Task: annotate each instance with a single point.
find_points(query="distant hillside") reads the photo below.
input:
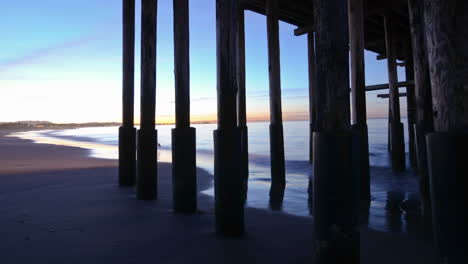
(50, 125)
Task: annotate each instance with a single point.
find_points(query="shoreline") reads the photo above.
(64, 203)
(60, 157)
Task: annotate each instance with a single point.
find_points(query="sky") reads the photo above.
(61, 61)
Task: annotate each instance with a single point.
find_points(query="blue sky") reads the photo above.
(61, 61)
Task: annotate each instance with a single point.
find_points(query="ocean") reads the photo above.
(395, 196)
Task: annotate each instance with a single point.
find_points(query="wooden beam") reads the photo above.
(304, 30)
(381, 57)
(386, 96)
(384, 86)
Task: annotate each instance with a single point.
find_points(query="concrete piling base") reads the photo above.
(278, 173)
(184, 171)
(336, 199)
(147, 164)
(448, 171)
(423, 173)
(311, 142)
(361, 148)
(397, 146)
(127, 156)
(244, 158)
(229, 183)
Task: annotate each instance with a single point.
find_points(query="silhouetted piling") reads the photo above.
(278, 177)
(147, 135)
(336, 186)
(312, 92)
(446, 32)
(358, 93)
(422, 84)
(229, 183)
(184, 178)
(127, 132)
(397, 149)
(241, 100)
(411, 110)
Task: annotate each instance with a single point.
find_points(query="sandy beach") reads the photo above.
(58, 205)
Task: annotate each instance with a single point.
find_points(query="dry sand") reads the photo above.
(59, 206)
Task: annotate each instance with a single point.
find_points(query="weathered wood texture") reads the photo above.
(447, 37)
(278, 178)
(226, 63)
(332, 62)
(182, 63)
(422, 86)
(421, 66)
(312, 91)
(229, 183)
(128, 61)
(446, 32)
(241, 100)
(356, 45)
(335, 205)
(411, 111)
(274, 61)
(148, 63)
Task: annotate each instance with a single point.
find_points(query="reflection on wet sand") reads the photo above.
(394, 206)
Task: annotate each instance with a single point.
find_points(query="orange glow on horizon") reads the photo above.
(251, 117)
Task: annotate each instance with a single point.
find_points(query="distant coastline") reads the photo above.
(40, 125)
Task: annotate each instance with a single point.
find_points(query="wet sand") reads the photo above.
(57, 205)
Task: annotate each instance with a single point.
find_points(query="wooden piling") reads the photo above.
(336, 185)
(358, 92)
(411, 111)
(422, 86)
(278, 177)
(312, 91)
(446, 32)
(127, 132)
(184, 178)
(397, 149)
(147, 135)
(241, 100)
(229, 196)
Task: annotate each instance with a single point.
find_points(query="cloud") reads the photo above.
(41, 53)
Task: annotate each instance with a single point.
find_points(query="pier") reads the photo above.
(427, 37)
